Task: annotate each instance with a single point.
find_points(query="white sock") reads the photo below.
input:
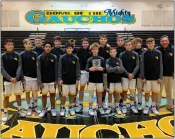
(140, 96)
(80, 102)
(5, 110)
(132, 103)
(124, 103)
(29, 105)
(146, 103)
(109, 104)
(116, 104)
(19, 107)
(153, 104)
(35, 102)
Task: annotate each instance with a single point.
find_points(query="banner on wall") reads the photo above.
(108, 16)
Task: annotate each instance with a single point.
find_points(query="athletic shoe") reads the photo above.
(109, 109)
(21, 113)
(101, 110)
(134, 109)
(91, 111)
(79, 108)
(118, 110)
(146, 110)
(36, 109)
(139, 106)
(48, 109)
(53, 112)
(154, 110)
(105, 106)
(124, 108)
(29, 111)
(43, 113)
(71, 110)
(5, 117)
(62, 111)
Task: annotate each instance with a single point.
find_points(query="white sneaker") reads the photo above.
(134, 109)
(71, 110)
(146, 110)
(79, 108)
(109, 109)
(62, 111)
(5, 117)
(101, 110)
(36, 109)
(29, 111)
(105, 106)
(21, 113)
(49, 109)
(118, 110)
(43, 113)
(53, 112)
(154, 110)
(124, 108)
(139, 106)
(91, 111)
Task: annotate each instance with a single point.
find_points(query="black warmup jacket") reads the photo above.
(58, 52)
(39, 50)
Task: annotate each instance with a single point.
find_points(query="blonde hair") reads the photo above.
(26, 40)
(94, 45)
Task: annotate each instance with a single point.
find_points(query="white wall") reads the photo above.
(135, 8)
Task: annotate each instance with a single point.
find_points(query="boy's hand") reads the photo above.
(13, 80)
(77, 83)
(100, 68)
(92, 69)
(130, 76)
(144, 81)
(41, 86)
(61, 82)
(159, 81)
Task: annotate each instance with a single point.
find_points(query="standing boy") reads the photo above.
(11, 70)
(38, 46)
(114, 69)
(95, 66)
(47, 77)
(130, 60)
(139, 50)
(29, 68)
(83, 54)
(120, 46)
(152, 72)
(68, 77)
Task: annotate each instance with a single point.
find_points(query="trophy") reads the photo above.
(96, 63)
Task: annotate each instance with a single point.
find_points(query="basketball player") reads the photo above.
(68, 77)
(83, 54)
(104, 52)
(95, 66)
(139, 50)
(47, 77)
(38, 46)
(114, 69)
(152, 72)
(11, 70)
(29, 70)
(168, 71)
(120, 46)
(130, 60)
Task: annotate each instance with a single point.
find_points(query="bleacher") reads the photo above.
(93, 36)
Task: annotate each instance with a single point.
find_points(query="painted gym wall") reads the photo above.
(150, 20)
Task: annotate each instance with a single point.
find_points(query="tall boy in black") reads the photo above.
(29, 68)
(120, 46)
(38, 46)
(104, 52)
(95, 66)
(114, 69)
(152, 72)
(47, 77)
(130, 60)
(68, 77)
(11, 70)
(168, 71)
(83, 54)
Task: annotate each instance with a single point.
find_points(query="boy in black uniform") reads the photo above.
(83, 54)
(38, 46)
(95, 66)
(138, 49)
(11, 70)
(168, 71)
(120, 46)
(152, 72)
(104, 52)
(68, 77)
(47, 77)
(114, 69)
(29, 59)
(130, 60)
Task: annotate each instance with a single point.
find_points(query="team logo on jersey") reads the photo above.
(107, 51)
(117, 63)
(157, 57)
(73, 62)
(52, 60)
(15, 58)
(133, 57)
(171, 54)
(33, 58)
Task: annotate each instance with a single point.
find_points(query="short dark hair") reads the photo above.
(112, 48)
(103, 36)
(128, 40)
(72, 41)
(8, 40)
(164, 36)
(138, 40)
(69, 44)
(38, 38)
(47, 43)
(84, 39)
(150, 40)
(120, 38)
(57, 38)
